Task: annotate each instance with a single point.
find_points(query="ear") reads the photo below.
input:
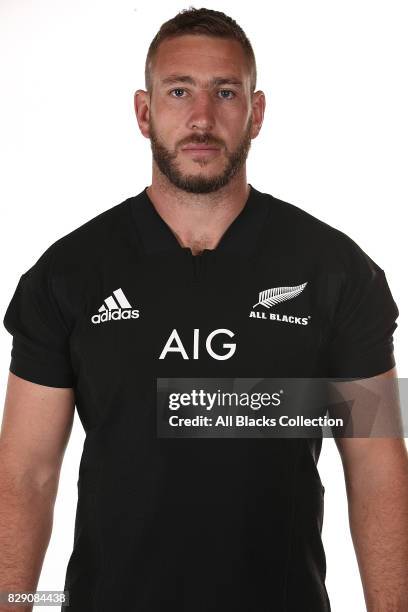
(141, 104)
(258, 111)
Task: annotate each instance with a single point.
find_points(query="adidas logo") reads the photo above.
(115, 309)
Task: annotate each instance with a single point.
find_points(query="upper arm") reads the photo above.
(378, 457)
(37, 422)
(39, 405)
(361, 367)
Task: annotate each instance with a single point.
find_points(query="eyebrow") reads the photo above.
(178, 78)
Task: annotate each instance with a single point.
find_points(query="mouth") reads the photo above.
(200, 147)
(200, 150)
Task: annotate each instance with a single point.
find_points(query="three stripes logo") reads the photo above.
(115, 307)
(276, 295)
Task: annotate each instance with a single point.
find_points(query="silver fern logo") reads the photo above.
(277, 295)
(273, 296)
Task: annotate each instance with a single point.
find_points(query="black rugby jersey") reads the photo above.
(196, 524)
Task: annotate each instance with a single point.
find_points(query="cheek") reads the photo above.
(234, 122)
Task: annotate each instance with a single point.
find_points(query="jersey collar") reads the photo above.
(240, 237)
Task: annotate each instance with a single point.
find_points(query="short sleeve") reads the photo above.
(361, 339)
(40, 345)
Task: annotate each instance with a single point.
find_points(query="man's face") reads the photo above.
(187, 108)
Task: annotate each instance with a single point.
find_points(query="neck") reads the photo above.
(198, 220)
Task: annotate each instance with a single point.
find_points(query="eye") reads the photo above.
(222, 91)
(177, 89)
(227, 91)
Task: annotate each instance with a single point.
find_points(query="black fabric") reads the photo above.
(361, 342)
(203, 524)
(40, 350)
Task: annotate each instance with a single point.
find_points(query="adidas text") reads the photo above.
(115, 315)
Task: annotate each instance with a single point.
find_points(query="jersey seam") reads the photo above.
(138, 242)
(95, 507)
(97, 594)
(291, 526)
(79, 316)
(50, 283)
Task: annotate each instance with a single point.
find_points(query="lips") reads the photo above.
(194, 147)
(200, 148)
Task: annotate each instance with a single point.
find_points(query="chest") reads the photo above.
(202, 317)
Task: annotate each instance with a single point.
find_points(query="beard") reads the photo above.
(166, 161)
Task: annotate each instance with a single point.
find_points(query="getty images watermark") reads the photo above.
(282, 407)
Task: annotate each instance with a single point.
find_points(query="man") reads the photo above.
(176, 282)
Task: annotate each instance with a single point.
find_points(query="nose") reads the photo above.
(202, 114)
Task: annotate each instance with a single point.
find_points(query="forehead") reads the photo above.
(201, 56)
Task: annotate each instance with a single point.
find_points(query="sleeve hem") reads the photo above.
(40, 375)
(373, 365)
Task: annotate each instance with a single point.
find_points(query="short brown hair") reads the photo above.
(205, 22)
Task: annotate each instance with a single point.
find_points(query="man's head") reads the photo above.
(200, 78)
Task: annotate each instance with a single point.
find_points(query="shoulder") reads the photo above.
(317, 240)
(95, 235)
(83, 246)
